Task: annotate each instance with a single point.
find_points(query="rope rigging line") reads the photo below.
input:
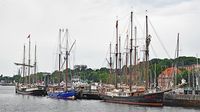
(159, 40)
(63, 64)
(126, 27)
(105, 59)
(140, 26)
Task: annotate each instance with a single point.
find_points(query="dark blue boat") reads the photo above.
(63, 95)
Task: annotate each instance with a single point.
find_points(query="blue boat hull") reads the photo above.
(63, 95)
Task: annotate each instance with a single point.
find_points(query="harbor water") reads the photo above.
(12, 102)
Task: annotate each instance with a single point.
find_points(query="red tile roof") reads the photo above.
(169, 72)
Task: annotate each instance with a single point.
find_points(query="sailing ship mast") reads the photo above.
(135, 55)
(126, 70)
(155, 76)
(131, 50)
(120, 58)
(116, 55)
(176, 56)
(197, 74)
(35, 66)
(23, 66)
(59, 58)
(29, 59)
(177, 49)
(110, 64)
(67, 58)
(148, 39)
(135, 47)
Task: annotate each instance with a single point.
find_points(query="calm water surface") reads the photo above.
(11, 102)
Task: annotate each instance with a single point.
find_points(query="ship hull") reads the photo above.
(151, 99)
(88, 95)
(91, 96)
(69, 95)
(33, 92)
(182, 100)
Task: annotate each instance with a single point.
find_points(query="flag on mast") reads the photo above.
(29, 36)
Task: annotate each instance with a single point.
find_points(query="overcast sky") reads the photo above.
(92, 24)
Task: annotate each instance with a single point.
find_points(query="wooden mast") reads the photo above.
(68, 50)
(66, 58)
(177, 52)
(23, 66)
(59, 58)
(110, 63)
(146, 56)
(197, 75)
(35, 66)
(135, 47)
(29, 59)
(120, 58)
(127, 59)
(155, 76)
(176, 67)
(148, 39)
(116, 55)
(131, 50)
(135, 56)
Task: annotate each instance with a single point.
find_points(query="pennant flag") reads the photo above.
(29, 36)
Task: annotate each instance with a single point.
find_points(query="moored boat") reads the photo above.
(182, 100)
(63, 90)
(88, 92)
(35, 91)
(186, 94)
(25, 86)
(144, 94)
(148, 99)
(70, 95)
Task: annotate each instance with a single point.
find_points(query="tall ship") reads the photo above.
(64, 91)
(134, 95)
(26, 86)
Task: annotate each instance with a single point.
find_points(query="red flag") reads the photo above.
(29, 36)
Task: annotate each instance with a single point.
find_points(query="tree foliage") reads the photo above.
(96, 75)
